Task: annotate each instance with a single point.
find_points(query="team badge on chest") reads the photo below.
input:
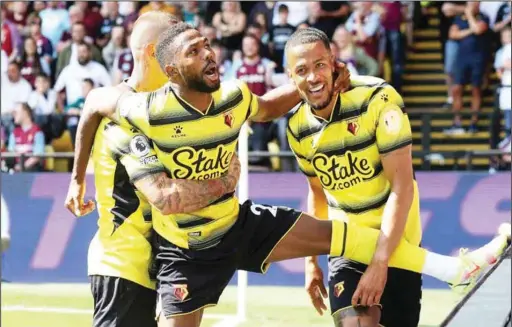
(353, 127)
(229, 119)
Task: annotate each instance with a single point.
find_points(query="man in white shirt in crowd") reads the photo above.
(72, 75)
(15, 89)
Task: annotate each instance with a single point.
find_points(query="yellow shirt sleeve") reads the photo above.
(304, 163)
(138, 156)
(393, 129)
(252, 99)
(132, 111)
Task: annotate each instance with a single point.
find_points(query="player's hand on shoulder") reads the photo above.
(315, 286)
(75, 200)
(342, 74)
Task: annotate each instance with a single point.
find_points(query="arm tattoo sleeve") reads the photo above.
(178, 195)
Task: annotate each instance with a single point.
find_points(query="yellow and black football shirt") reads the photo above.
(121, 248)
(193, 145)
(344, 152)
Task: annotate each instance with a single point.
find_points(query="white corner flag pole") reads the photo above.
(243, 195)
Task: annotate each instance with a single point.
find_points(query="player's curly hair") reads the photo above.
(165, 47)
(307, 35)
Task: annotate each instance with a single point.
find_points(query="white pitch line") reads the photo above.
(22, 308)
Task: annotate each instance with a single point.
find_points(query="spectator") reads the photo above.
(159, 6)
(225, 65)
(209, 32)
(364, 24)
(230, 22)
(278, 36)
(55, 22)
(72, 75)
(191, 13)
(358, 62)
(42, 100)
(129, 9)
(30, 62)
(297, 14)
(391, 20)
(74, 110)
(115, 46)
(92, 18)
(450, 10)
(44, 46)
(18, 15)
(473, 55)
(503, 66)
(39, 6)
(313, 18)
(503, 19)
(258, 31)
(332, 14)
(123, 63)
(262, 7)
(15, 89)
(11, 38)
(257, 73)
(69, 54)
(262, 22)
(75, 16)
(26, 138)
(111, 18)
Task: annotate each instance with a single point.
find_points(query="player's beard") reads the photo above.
(198, 83)
(322, 105)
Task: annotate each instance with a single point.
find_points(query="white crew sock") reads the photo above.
(442, 267)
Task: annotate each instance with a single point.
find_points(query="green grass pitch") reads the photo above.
(69, 305)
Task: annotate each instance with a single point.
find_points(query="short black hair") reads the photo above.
(164, 46)
(255, 25)
(216, 43)
(43, 75)
(308, 35)
(282, 8)
(88, 81)
(85, 44)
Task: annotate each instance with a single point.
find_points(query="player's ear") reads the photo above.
(149, 50)
(171, 72)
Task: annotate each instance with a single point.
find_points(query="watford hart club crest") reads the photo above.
(339, 288)
(353, 127)
(229, 119)
(180, 292)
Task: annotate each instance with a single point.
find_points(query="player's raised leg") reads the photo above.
(309, 236)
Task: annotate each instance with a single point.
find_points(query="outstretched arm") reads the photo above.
(101, 102)
(171, 196)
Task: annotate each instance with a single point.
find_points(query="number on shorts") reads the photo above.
(257, 209)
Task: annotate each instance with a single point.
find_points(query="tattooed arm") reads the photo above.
(171, 196)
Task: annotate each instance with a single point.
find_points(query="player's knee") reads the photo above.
(188, 320)
(357, 317)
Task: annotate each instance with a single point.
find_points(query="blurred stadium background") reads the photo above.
(463, 170)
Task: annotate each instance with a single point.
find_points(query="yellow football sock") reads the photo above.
(358, 243)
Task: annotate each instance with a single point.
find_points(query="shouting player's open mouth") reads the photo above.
(211, 72)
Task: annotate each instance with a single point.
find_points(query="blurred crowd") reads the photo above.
(55, 52)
